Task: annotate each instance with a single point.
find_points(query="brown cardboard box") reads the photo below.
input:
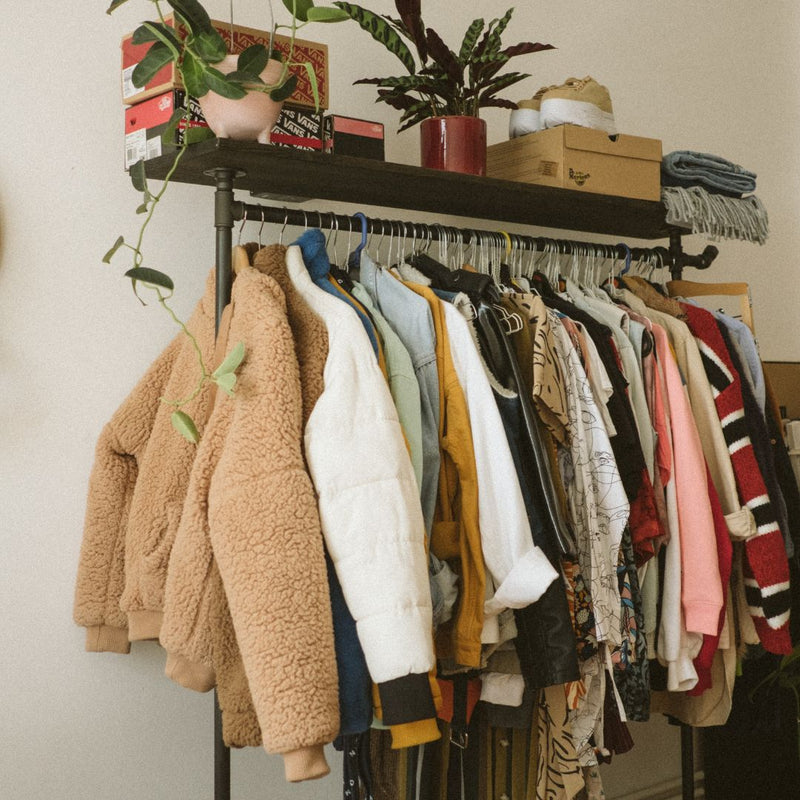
(583, 159)
(167, 78)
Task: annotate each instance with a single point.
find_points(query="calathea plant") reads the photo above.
(194, 46)
(444, 82)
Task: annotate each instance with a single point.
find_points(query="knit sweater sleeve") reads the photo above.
(101, 569)
(265, 533)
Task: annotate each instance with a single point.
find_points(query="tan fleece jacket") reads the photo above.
(250, 533)
(136, 492)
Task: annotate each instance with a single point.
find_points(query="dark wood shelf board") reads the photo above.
(296, 173)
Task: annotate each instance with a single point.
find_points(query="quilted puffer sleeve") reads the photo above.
(267, 542)
(101, 569)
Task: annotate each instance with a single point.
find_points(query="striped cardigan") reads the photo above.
(766, 569)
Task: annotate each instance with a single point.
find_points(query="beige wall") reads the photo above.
(718, 76)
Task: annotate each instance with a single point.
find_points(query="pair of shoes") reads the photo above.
(577, 101)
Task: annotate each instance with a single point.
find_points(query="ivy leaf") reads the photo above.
(226, 382)
(243, 78)
(299, 8)
(195, 135)
(219, 83)
(170, 133)
(326, 14)
(139, 177)
(158, 32)
(232, 360)
(150, 276)
(195, 16)
(380, 30)
(193, 76)
(185, 426)
(253, 59)
(312, 79)
(115, 5)
(113, 249)
(157, 57)
(142, 208)
(280, 93)
(210, 45)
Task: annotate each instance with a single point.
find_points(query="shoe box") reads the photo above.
(348, 136)
(238, 38)
(583, 159)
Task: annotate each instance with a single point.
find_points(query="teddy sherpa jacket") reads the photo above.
(136, 493)
(250, 535)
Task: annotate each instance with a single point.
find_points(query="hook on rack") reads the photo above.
(355, 257)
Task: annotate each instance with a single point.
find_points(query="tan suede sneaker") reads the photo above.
(579, 101)
(526, 117)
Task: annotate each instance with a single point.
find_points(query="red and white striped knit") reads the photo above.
(766, 574)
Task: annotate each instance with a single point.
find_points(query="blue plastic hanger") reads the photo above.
(355, 257)
(627, 266)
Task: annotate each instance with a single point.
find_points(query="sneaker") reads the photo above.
(581, 102)
(525, 118)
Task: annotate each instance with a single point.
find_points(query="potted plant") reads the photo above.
(445, 90)
(242, 95)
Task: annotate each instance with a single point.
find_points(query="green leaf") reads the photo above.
(195, 16)
(312, 79)
(169, 134)
(142, 209)
(210, 45)
(185, 426)
(502, 24)
(226, 382)
(150, 276)
(115, 5)
(157, 57)
(195, 135)
(139, 177)
(470, 40)
(232, 360)
(299, 8)
(244, 78)
(156, 31)
(193, 76)
(254, 59)
(280, 93)
(503, 82)
(326, 14)
(219, 83)
(381, 31)
(113, 249)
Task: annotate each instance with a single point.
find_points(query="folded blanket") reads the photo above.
(716, 174)
(716, 216)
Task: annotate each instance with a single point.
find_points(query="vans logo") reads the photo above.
(579, 177)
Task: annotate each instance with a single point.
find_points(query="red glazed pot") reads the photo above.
(455, 144)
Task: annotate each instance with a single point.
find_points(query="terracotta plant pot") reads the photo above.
(252, 117)
(455, 144)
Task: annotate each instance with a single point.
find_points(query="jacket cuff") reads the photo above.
(107, 639)
(406, 699)
(144, 625)
(190, 674)
(413, 733)
(525, 583)
(305, 763)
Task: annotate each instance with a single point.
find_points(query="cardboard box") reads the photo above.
(584, 159)
(346, 136)
(168, 78)
(145, 122)
(299, 128)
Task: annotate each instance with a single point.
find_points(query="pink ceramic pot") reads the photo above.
(455, 144)
(252, 117)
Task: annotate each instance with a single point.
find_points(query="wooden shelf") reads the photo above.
(303, 174)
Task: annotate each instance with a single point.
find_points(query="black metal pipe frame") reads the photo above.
(227, 210)
(324, 219)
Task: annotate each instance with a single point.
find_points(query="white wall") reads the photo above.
(720, 77)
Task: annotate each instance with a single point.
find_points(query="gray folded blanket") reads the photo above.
(716, 174)
(715, 215)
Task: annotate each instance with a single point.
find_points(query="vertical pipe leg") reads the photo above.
(687, 761)
(223, 221)
(675, 255)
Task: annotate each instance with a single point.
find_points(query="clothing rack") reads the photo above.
(227, 211)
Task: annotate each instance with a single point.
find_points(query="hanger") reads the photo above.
(240, 258)
(354, 259)
(681, 288)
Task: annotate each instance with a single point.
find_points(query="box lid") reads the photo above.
(577, 138)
